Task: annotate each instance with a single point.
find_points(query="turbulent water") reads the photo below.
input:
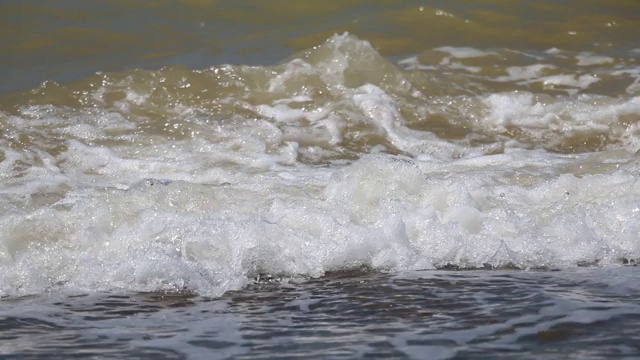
(402, 180)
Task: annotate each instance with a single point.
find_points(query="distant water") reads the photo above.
(338, 179)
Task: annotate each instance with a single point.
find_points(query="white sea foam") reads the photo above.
(464, 52)
(382, 212)
(519, 73)
(478, 70)
(546, 119)
(587, 59)
(298, 178)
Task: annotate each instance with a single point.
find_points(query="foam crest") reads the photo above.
(583, 122)
(334, 160)
(337, 101)
(382, 212)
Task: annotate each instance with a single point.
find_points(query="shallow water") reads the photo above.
(342, 179)
(581, 314)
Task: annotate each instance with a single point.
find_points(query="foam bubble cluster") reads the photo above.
(182, 180)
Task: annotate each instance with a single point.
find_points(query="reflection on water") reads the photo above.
(439, 315)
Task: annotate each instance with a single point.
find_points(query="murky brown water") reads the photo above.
(72, 39)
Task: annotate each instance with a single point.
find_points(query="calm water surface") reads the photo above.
(340, 179)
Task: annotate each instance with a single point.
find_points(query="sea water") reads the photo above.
(217, 179)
